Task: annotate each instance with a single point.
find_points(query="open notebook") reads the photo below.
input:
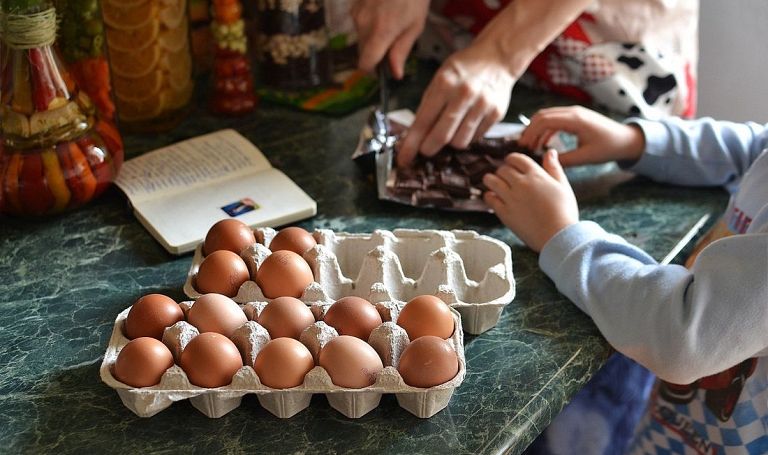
(178, 192)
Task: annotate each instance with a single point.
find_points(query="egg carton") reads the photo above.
(388, 339)
(470, 272)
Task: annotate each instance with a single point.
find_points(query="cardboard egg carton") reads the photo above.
(388, 339)
(469, 271)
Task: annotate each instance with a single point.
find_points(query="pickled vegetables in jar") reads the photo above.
(82, 45)
(56, 153)
(150, 61)
(233, 91)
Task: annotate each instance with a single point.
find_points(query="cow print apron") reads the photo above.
(631, 57)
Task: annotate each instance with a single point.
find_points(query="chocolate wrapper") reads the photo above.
(452, 179)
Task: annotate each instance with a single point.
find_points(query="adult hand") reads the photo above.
(533, 201)
(468, 94)
(388, 27)
(600, 138)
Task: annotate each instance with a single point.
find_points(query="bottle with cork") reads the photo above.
(56, 151)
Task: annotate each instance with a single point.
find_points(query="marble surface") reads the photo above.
(63, 281)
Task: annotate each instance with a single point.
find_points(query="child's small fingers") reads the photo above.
(510, 175)
(561, 119)
(542, 140)
(522, 163)
(496, 184)
(578, 156)
(552, 165)
(493, 201)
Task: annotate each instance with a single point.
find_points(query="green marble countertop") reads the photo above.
(64, 280)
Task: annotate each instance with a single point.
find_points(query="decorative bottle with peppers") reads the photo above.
(56, 153)
(233, 91)
(150, 61)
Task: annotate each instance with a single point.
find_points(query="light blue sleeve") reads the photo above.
(701, 152)
(680, 324)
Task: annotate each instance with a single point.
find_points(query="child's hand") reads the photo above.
(534, 201)
(600, 138)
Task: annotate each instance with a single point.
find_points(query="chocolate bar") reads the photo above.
(453, 177)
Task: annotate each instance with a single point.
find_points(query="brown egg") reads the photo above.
(426, 315)
(228, 234)
(293, 239)
(210, 360)
(142, 362)
(216, 313)
(150, 315)
(283, 363)
(284, 273)
(428, 361)
(222, 272)
(353, 316)
(286, 317)
(350, 362)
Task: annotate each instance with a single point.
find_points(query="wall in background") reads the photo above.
(733, 60)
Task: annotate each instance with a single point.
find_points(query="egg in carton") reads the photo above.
(388, 340)
(470, 272)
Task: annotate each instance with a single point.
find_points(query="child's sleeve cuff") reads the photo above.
(656, 138)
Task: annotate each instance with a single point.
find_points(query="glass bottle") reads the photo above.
(56, 153)
(150, 61)
(233, 91)
(83, 48)
(293, 44)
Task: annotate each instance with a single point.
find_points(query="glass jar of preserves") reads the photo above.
(82, 46)
(150, 61)
(233, 92)
(56, 153)
(292, 41)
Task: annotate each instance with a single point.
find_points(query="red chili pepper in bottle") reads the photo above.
(43, 88)
(33, 189)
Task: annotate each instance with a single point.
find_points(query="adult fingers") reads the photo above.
(432, 104)
(372, 51)
(400, 49)
(469, 125)
(446, 125)
(491, 118)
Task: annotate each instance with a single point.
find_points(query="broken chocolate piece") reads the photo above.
(405, 187)
(435, 198)
(456, 185)
(478, 169)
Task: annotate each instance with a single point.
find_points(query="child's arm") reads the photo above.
(681, 324)
(685, 152)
